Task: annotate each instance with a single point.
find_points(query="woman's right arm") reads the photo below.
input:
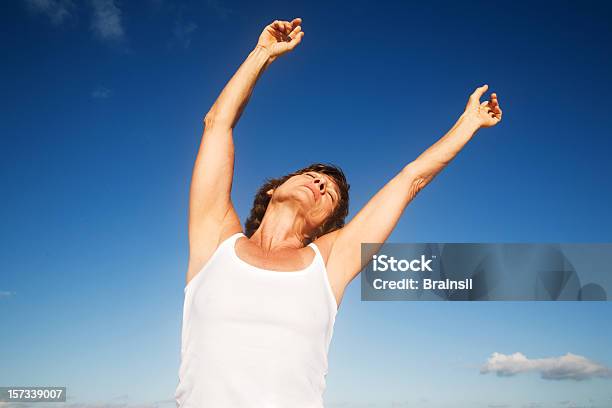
(211, 212)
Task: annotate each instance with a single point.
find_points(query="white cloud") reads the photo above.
(567, 367)
(57, 10)
(106, 22)
(101, 93)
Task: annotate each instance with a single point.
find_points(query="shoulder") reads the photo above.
(335, 275)
(197, 259)
(325, 244)
(228, 231)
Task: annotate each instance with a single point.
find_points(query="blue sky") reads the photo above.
(101, 119)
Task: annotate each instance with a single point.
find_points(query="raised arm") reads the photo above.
(376, 220)
(211, 211)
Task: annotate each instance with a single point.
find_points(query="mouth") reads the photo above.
(314, 192)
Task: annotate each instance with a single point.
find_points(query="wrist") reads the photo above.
(264, 52)
(469, 121)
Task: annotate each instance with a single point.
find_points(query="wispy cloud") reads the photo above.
(58, 11)
(220, 10)
(183, 32)
(106, 22)
(567, 367)
(101, 93)
(4, 294)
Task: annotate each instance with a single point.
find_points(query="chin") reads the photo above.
(304, 198)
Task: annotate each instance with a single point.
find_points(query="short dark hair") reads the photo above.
(334, 221)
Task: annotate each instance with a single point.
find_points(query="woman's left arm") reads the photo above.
(375, 221)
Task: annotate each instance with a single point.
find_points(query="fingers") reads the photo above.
(295, 40)
(286, 26)
(494, 111)
(494, 105)
(279, 25)
(285, 31)
(294, 33)
(484, 106)
(494, 100)
(491, 108)
(477, 94)
(498, 115)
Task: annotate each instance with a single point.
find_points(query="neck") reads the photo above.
(282, 227)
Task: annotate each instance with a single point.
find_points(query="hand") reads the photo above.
(281, 37)
(485, 114)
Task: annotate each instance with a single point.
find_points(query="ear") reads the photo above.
(270, 192)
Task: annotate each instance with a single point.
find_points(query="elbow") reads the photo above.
(416, 179)
(417, 185)
(214, 120)
(414, 172)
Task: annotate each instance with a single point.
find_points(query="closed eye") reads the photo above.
(333, 197)
(328, 192)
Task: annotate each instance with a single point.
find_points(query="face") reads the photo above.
(316, 194)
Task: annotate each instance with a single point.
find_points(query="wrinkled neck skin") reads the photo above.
(282, 227)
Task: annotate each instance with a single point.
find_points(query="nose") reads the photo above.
(321, 184)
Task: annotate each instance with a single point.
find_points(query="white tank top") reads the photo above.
(253, 337)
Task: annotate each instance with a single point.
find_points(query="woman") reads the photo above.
(260, 307)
